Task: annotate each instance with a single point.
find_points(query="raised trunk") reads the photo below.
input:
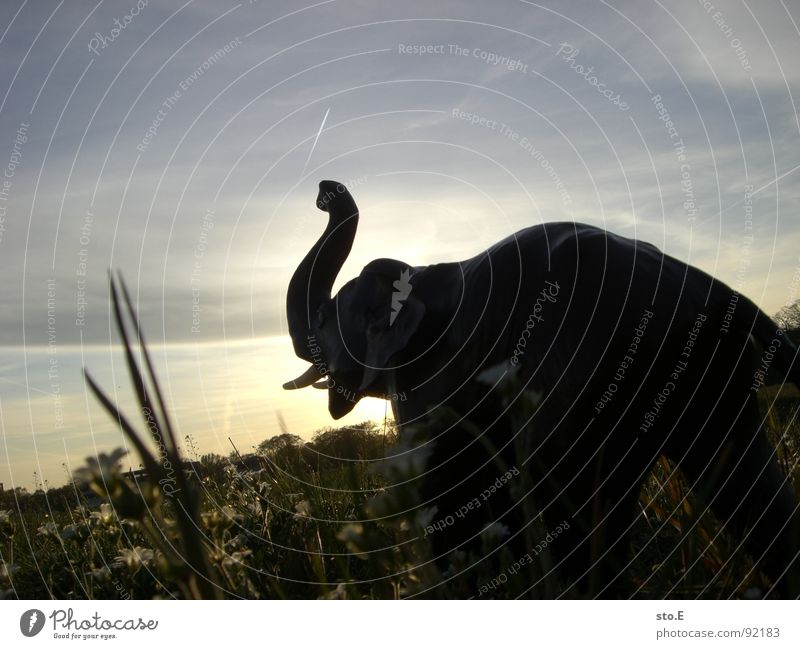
(312, 281)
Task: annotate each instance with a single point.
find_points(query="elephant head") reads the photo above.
(350, 339)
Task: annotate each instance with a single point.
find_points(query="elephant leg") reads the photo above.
(475, 480)
(599, 505)
(749, 494)
(611, 554)
(731, 465)
(462, 484)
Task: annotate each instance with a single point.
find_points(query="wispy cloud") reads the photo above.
(458, 123)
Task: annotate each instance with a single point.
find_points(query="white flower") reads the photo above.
(497, 374)
(134, 558)
(222, 517)
(102, 574)
(48, 529)
(303, 509)
(339, 593)
(351, 533)
(7, 571)
(424, 515)
(406, 461)
(236, 559)
(496, 531)
(105, 516)
(101, 469)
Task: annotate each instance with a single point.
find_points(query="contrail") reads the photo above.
(762, 188)
(314, 146)
(772, 182)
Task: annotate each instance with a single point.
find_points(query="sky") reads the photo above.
(181, 143)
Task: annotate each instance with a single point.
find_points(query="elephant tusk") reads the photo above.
(304, 380)
(320, 385)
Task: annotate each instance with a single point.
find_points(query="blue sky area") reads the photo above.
(180, 142)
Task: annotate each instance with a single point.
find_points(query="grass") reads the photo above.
(316, 519)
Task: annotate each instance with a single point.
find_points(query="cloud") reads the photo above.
(156, 131)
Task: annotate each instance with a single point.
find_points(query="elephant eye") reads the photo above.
(320, 318)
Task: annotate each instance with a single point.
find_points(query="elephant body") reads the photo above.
(634, 354)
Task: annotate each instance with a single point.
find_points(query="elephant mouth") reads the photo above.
(343, 392)
(341, 403)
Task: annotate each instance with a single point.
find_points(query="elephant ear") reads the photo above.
(392, 324)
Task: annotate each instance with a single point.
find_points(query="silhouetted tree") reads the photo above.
(336, 446)
(789, 316)
(277, 443)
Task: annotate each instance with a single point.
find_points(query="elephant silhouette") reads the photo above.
(635, 355)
